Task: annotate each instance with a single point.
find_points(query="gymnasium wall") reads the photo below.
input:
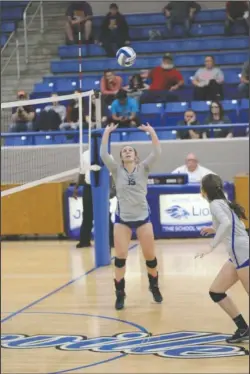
(141, 6)
(227, 157)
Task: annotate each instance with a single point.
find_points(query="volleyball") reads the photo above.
(126, 56)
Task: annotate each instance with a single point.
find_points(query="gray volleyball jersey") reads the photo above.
(230, 230)
(131, 188)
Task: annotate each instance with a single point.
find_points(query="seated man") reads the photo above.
(237, 11)
(165, 82)
(189, 120)
(180, 12)
(114, 31)
(194, 170)
(244, 79)
(23, 116)
(79, 18)
(124, 110)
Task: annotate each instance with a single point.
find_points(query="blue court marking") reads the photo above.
(141, 328)
(19, 311)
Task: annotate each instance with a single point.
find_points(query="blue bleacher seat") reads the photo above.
(70, 66)
(138, 136)
(115, 137)
(174, 112)
(166, 135)
(7, 27)
(151, 113)
(12, 14)
(200, 44)
(4, 39)
(43, 139)
(18, 140)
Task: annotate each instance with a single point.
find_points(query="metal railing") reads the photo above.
(15, 52)
(27, 25)
(13, 36)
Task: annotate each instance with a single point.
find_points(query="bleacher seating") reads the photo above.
(189, 54)
(11, 14)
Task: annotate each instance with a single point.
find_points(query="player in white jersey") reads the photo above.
(131, 177)
(228, 228)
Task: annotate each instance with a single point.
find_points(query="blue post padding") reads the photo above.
(100, 195)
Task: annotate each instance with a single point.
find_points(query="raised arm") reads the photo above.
(156, 151)
(105, 156)
(218, 211)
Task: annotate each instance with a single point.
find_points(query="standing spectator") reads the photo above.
(79, 18)
(237, 11)
(216, 116)
(23, 117)
(166, 76)
(124, 110)
(244, 79)
(136, 86)
(114, 31)
(56, 107)
(194, 170)
(180, 12)
(189, 120)
(110, 85)
(208, 81)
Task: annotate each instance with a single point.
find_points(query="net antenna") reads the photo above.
(32, 165)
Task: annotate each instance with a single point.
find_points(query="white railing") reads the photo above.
(27, 25)
(15, 52)
(16, 49)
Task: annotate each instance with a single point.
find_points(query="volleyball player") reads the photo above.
(229, 228)
(130, 177)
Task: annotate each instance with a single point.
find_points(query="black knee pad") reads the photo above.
(216, 297)
(120, 262)
(151, 263)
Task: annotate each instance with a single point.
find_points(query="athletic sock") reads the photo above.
(240, 322)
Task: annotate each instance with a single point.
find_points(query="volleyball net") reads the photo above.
(29, 159)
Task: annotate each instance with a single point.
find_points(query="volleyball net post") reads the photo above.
(100, 193)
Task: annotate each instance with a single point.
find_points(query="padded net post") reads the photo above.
(100, 193)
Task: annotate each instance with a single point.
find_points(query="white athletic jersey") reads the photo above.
(131, 188)
(230, 230)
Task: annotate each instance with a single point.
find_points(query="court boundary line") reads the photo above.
(56, 290)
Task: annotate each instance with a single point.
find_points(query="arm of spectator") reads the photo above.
(229, 132)
(118, 84)
(179, 80)
(103, 87)
(133, 109)
(196, 79)
(114, 112)
(194, 8)
(219, 76)
(124, 28)
(63, 113)
(245, 73)
(145, 87)
(88, 12)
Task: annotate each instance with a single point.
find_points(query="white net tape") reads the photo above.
(30, 166)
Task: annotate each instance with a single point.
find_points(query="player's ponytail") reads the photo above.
(212, 185)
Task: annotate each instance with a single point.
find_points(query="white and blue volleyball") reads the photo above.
(126, 56)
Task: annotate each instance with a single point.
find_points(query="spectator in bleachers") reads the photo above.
(93, 114)
(51, 117)
(180, 12)
(165, 78)
(244, 79)
(56, 107)
(124, 110)
(23, 117)
(136, 86)
(114, 31)
(110, 86)
(194, 170)
(72, 115)
(208, 81)
(237, 11)
(216, 117)
(189, 120)
(79, 18)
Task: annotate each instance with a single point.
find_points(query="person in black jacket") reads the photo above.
(114, 31)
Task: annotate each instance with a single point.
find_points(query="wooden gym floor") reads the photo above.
(52, 288)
